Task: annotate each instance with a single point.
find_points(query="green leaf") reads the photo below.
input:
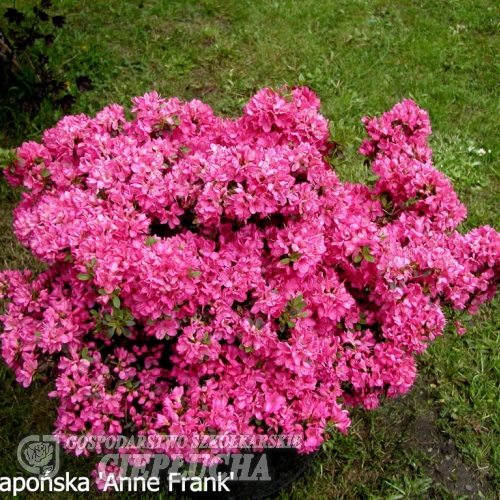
(259, 323)
(83, 277)
(127, 333)
(38, 334)
(369, 257)
(116, 302)
(357, 259)
(410, 201)
(194, 274)
(7, 158)
(150, 241)
(85, 354)
(45, 173)
(285, 261)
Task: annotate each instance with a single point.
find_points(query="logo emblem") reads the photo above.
(39, 455)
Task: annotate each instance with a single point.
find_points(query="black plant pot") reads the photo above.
(259, 475)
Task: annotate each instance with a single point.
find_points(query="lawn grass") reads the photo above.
(360, 57)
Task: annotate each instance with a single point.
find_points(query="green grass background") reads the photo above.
(360, 57)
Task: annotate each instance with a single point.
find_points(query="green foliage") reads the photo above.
(118, 322)
(7, 158)
(293, 311)
(194, 274)
(150, 241)
(293, 257)
(27, 79)
(90, 271)
(364, 254)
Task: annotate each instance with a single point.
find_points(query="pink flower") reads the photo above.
(209, 275)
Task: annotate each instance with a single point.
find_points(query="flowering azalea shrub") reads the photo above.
(208, 275)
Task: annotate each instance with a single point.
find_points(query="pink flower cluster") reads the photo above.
(210, 275)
